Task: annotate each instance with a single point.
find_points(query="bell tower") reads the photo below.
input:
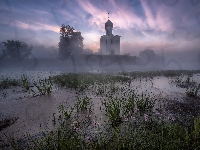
(108, 27)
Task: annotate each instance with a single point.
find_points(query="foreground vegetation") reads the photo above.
(130, 120)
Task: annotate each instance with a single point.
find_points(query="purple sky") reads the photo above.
(170, 25)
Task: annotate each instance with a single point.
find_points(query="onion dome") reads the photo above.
(108, 24)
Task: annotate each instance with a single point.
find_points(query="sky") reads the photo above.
(169, 25)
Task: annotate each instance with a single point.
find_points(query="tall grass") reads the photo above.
(25, 82)
(83, 104)
(44, 86)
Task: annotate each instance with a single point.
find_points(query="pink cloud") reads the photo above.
(158, 21)
(122, 17)
(38, 26)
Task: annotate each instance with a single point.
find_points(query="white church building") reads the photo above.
(109, 44)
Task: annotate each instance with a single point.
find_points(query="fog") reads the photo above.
(47, 59)
(90, 62)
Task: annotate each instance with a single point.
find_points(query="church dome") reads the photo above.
(108, 24)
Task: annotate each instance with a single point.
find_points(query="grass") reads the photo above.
(145, 104)
(100, 89)
(8, 82)
(193, 91)
(83, 103)
(142, 134)
(129, 104)
(166, 73)
(113, 111)
(130, 122)
(25, 82)
(84, 80)
(44, 86)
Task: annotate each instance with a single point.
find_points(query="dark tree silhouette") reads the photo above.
(16, 49)
(70, 42)
(76, 41)
(143, 54)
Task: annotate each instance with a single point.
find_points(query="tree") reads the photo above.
(16, 49)
(76, 41)
(147, 54)
(70, 42)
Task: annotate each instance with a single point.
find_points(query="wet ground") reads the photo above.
(35, 114)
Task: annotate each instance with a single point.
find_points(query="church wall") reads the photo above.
(105, 49)
(109, 44)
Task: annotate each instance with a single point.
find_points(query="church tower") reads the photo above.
(109, 44)
(108, 27)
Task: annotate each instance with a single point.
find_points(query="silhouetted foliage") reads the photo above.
(16, 49)
(70, 42)
(143, 54)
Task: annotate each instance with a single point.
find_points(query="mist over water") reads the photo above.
(84, 63)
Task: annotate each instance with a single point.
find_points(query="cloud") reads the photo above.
(37, 25)
(148, 24)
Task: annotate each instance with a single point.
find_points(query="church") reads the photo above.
(109, 44)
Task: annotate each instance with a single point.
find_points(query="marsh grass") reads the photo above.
(113, 110)
(165, 73)
(178, 79)
(113, 87)
(100, 89)
(139, 134)
(193, 91)
(8, 82)
(129, 104)
(43, 86)
(145, 103)
(83, 104)
(83, 80)
(25, 82)
(130, 121)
